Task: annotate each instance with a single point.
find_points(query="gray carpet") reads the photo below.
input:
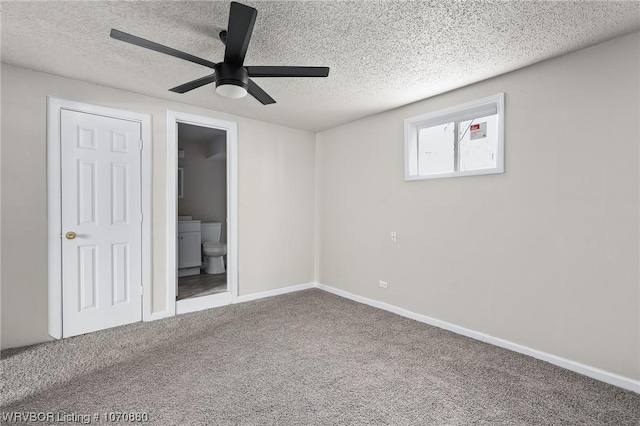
(298, 359)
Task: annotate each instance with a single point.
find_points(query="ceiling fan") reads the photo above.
(232, 78)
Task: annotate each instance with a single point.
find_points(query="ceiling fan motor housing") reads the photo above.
(231, 74)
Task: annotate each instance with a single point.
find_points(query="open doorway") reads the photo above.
(202, 212)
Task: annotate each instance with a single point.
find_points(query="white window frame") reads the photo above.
(456, 113)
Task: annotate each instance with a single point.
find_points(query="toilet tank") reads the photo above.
(211, 231)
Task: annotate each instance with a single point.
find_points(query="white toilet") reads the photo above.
(212, 249)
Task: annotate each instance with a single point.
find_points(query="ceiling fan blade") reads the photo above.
(257, 92)
(288, 71)
(241, 21)
(128, 38)
(184, 88)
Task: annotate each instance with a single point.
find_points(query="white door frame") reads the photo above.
(54, 202)
(231, 128)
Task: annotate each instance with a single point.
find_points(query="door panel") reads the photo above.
(101, 204)
(87, 279)
(87, 192)
(120, 273)
(119, 199)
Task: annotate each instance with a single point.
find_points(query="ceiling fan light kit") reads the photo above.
(231, 91)
(232, 78)
(232, 81)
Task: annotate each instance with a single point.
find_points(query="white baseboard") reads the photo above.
(594, 373)
(215, 300)
(194, 304)
(274, 292)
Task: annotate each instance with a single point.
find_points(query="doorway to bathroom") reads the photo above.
(202, 212)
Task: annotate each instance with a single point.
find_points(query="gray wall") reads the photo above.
(205, 180)
(544, 255)
(276, 197)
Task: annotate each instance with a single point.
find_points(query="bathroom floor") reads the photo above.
(201, 285)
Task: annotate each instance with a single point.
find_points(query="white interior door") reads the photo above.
(101, 222)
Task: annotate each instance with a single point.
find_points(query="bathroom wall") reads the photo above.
(545, 255)
(276, 197)
(205, 175)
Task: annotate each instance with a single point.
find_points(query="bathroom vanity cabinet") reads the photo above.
(189, 248)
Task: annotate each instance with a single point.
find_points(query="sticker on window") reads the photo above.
(478, 131)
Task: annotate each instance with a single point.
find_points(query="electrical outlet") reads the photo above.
(394, 236)
(383, 284)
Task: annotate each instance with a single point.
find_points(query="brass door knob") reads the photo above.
(70, 235)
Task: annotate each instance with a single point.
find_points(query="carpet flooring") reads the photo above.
(305, 358)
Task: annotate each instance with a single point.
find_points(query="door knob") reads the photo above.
(70, 235)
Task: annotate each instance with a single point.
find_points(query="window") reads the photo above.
(463, 140)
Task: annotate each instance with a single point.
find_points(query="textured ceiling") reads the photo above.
(382, 54)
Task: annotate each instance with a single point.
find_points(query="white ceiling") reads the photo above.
(382, 54)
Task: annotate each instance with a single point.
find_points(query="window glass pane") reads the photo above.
(436, 149)
(461, 140)
(478, 143)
